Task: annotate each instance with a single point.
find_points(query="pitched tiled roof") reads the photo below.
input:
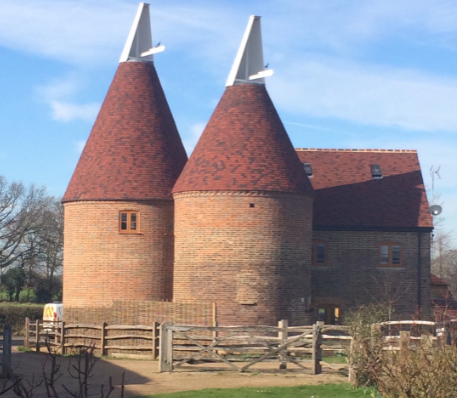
(437, 281)
(244, 147)
(134, 150)
(346, 195)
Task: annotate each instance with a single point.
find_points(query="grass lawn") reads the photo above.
(322, 391)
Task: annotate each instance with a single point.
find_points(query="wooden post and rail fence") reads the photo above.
(404, 335)
(241, 347)
(106, 339)
(179, 345)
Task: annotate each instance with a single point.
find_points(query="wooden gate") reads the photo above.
(241, 347)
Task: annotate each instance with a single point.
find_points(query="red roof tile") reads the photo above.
(346, 195)
(244, 147)
(134, 151)
(437, 281)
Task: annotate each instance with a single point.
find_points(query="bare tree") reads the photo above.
(20, 209)
(388, 292)
(31, 236)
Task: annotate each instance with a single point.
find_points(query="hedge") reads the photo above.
(15, 314)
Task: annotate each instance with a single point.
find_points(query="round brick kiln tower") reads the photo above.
(243, 212)
(119, 210)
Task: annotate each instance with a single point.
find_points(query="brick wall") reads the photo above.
(102, 265)
(352, 275)
(248, 251)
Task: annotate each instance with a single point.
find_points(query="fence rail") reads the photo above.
(182, 345)
(399, 335)
(106, 339)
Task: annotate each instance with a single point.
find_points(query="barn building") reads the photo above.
(265, 231)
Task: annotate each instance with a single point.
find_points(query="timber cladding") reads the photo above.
(143, 312)
(135, 312)
(102, 265)
(249, 251)
(353, 276)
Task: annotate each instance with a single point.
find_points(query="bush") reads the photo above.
(366, 348)
(15, 314)
(420, 370)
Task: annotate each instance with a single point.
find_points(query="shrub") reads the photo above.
(15, 314)
(420, 370)
(366, 348)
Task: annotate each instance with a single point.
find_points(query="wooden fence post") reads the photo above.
(375, 331)
(62, 338)
(214, 319)
(37, 335)
(154, 340)
(166, 347)
(27, 333)
(427, 342)
(404, 342)
(352, 374)
(282, 337)
(6, 356)
(103, 339)
(317, 350)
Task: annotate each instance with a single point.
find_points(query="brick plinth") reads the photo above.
(102, 265)
(250, 252)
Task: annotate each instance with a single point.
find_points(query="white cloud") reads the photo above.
(70, 31)
(58, 88)
(66, 112)
(58, 95)
(192, 138)
(79, 146)
(367, 94)
(340, 24)
(90, 33)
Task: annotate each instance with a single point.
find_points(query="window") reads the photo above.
(129, 222)
(390, 254)
(376, 172)
(319, 252)
(329, 315)
(308, 169)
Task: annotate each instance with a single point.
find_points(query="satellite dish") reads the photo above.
(435, 210)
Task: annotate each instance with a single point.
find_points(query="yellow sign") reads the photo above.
(48, 312)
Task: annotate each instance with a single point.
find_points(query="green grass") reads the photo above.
(335, 359)
(322, 391)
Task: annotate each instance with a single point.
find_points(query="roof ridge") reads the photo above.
(357, 150)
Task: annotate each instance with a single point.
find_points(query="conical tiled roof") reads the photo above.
(244, 147)
(134, 151)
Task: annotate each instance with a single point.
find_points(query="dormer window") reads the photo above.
(308, 169)
(376, 172)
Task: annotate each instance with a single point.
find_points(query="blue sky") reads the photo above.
(371, 74)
